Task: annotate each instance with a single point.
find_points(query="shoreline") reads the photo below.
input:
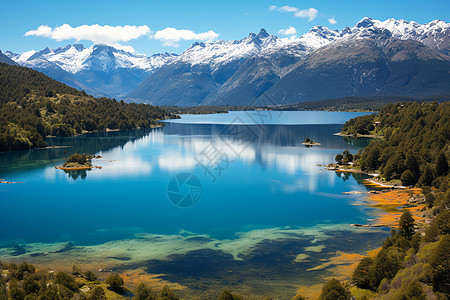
(374, 136)
(77, 168)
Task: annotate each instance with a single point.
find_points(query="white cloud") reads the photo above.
(288, 31)
(96, 33)
(287, 8)
(332, 21)
(309, 13)
(171, 36)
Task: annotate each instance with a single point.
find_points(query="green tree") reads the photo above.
(427, 177)
(441, 164)
(89, 275)
(361, 275)
(429, 199)
(408, 178)
(97, 293)
(440, 263)
(333, 290)
(339, 158)
(115, 283)
(66, 280)
(412, 290)
(144, 292)
(167, 294)
(385, 265)
(406, 225)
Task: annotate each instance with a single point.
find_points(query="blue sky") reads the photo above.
(156, 25)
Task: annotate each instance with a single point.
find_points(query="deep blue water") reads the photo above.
(211, 201)
(251, 176)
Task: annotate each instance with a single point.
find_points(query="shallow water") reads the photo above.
(253, 198)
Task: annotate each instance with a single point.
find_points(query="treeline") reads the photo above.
(413, 263)
(206, 109)
(355, 103)
(415, 144)
(24, 282)
(34, 106)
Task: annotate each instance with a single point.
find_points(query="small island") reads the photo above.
(308, 143)
(78, 162)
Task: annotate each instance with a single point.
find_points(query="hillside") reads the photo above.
(34, 106)
(413, 262)
(375, 66)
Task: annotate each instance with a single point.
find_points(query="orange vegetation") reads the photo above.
(133, 277)
(393, 204)
(340, 266)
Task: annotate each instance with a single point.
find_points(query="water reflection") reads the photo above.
(75, 174)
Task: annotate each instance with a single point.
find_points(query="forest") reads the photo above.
(414, 262)
(34, 106)
(415, 144)
(355, 103)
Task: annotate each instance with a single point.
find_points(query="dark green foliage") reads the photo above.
(361, 275)
(80, 159)
(412, 291)
(427, 176)
(429, 199)
(115, 283)
(227, 295)
(89, 275)
(333, 290)
(64, 292)
(97, 293)
(33, 106)
(441, 164)
(440, 263)
(385, 265)
(167, 294)
(144, 292)
(67, 281)
(406, 225)
(15, 292)
(76, 270)
(3, 292)
(408, 178)
(339, 158)
(30, 285)
(415, 143)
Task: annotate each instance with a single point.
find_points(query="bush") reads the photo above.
(361, 275)
(67, 281)
(89, 275)
(406, 225)
(167, 293)
(115, 283)
(144, 292)
(440, 263)
(97, 293)
(333, 290)
(227, 295)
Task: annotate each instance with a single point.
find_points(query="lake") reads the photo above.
(209, 201)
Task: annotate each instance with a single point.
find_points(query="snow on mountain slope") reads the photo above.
(74, 58)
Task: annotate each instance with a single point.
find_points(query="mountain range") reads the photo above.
(373, 58)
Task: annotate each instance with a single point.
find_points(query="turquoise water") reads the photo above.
(255, 184)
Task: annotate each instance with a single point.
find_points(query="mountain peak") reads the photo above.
(79, 47)
(365, 22)
(262, 34)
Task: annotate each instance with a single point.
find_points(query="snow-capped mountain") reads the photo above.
(100, 69)
(219, 72)
(238, 72)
